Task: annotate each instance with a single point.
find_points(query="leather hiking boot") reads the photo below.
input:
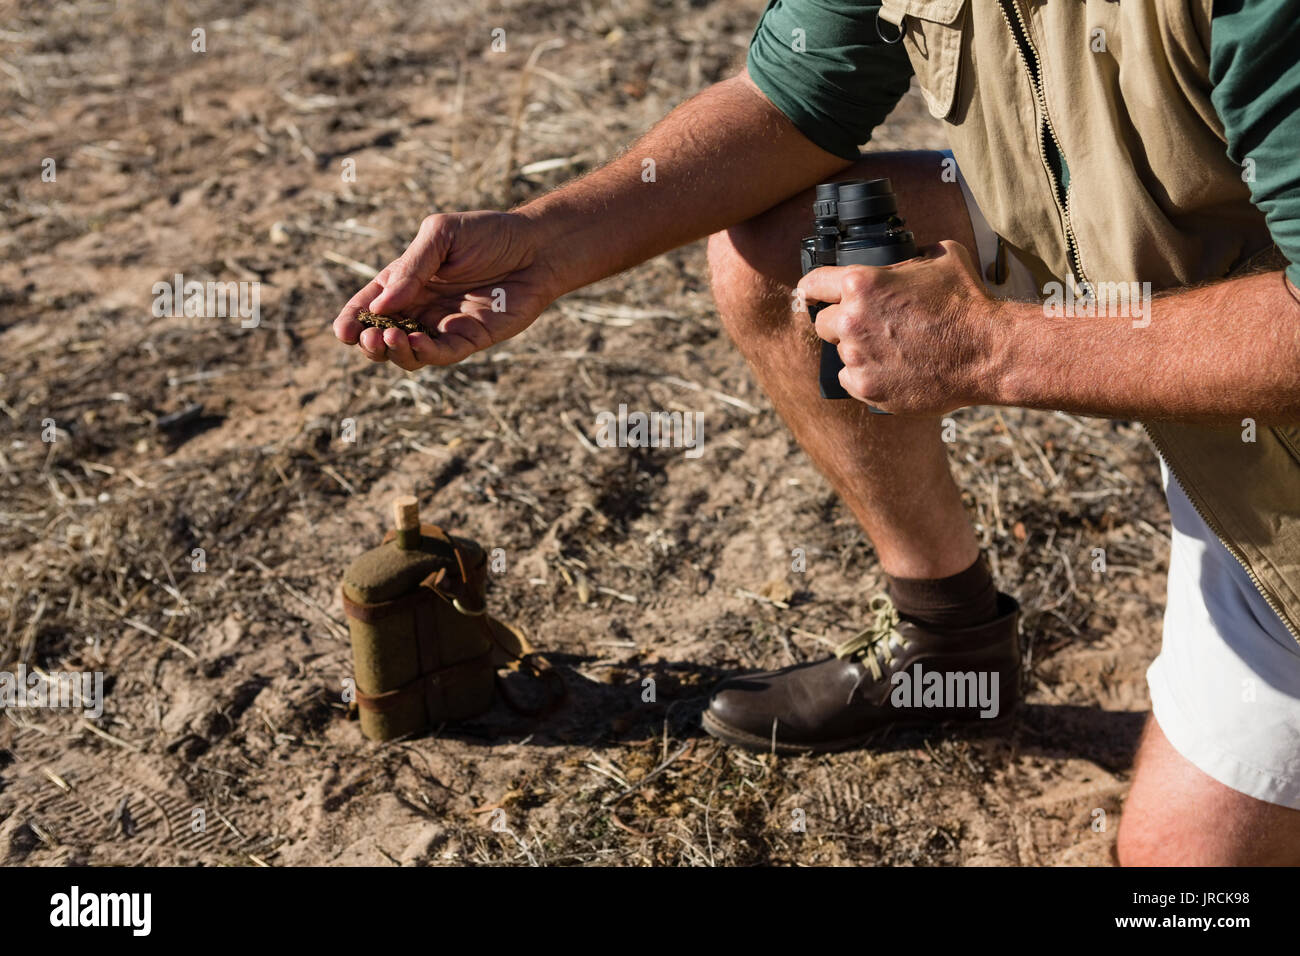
(896, 673)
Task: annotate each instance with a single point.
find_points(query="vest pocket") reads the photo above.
(932, 34)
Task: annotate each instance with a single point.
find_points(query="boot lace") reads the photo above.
(874, 646)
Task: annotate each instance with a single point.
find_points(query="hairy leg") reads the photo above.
(1175, 815)
(891, 471)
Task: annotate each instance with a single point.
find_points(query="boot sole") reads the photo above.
(952, 728)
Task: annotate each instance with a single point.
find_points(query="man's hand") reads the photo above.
(917, 337)
(471, 279)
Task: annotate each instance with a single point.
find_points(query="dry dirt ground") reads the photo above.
(224, 685)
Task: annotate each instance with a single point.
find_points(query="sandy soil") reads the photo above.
(224, 685)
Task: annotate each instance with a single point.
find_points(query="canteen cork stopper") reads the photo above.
(406, 519)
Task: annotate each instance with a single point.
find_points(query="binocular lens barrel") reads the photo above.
(855, 222)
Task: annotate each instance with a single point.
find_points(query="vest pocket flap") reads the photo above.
(936, 11)
(932, 35)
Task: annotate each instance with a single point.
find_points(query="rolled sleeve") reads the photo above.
(823, 64)
(1256, 76)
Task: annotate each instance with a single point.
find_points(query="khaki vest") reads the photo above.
(1153, 197)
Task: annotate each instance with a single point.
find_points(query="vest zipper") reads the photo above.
(1218, 533)
(1029, 56)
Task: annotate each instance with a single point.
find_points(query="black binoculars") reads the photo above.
(855, 223)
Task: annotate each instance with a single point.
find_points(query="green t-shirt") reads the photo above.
(844, 80)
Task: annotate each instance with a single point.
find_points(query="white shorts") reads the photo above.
(1225, 687)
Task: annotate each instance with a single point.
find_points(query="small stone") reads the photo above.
(777, 591)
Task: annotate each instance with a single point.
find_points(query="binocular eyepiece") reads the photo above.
(855, 222)
(854, 201)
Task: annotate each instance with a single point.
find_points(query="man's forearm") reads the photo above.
(720, 158)
(1215, 354)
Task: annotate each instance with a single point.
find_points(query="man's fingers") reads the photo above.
(399, 350)
(842, 283)
(346, 327)
(403, 290)
(429, 247)
(950, 247)
(426, 349)
(823, 284)
(459, 336)
(449, 346)
(372, 345)
(467, 328)
(946, 247)
(416, 266)
(828, 324)
(853, 381)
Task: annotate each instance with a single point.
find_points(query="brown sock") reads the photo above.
(962, 600)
